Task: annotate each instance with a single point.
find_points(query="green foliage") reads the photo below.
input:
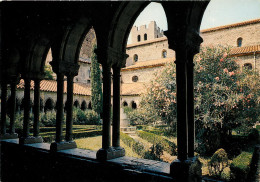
(137, 147)
(48, 72)
(155, 152)
(218, 162)
(88, 117)
(167, 145)
(253, 134)
(240, 166)
(96, 87)
(48, 119)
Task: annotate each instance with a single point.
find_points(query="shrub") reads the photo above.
(88, 117)
(218, 162)
(48, 119)
(253, 134)
(240, 166)
(225, 174)
(168, 146)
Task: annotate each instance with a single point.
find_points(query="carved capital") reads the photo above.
(111, 57)
(65, 67)
(184, 38)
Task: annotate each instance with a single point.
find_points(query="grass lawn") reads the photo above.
(95, 143)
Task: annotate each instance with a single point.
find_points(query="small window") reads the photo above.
(125, 104)
(135, 57)
(248, 66)
(88, 81)
(138, 38)
(239, 42)
(135, 78)
(164, 53)
(134, 106)
(145, 36)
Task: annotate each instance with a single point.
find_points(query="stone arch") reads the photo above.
(248, 66)
(133, 105)
(89, 105)
(125, 104)
(83, 106)
(49, 105)
(76, 103)
(239, 42)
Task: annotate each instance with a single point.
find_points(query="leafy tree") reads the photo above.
(48, 72)
(96, 87)
(225, 97)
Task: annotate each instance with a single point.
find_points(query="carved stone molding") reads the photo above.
(65, 67)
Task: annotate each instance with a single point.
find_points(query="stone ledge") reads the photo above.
(30, 140)
(9, 136)
(110, 153)
(62, 146)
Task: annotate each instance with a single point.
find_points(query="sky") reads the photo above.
(218, 12)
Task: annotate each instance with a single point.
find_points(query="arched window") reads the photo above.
(138, 38)
(248, 66)
(239, 42)
(164, 54)
(125, 104)
(135, 57)
(145, 36)
(49, 105)
(76, 103)
(133, 104)
(89, 105)
(135, 78)
(83, 105)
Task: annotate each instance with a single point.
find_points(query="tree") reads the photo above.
(225, 97)
(96, 87)
(48, 72)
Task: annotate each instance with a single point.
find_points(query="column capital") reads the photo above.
(65, 67)
(110, 56)
(184, 38)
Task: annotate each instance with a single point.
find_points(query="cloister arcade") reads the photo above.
(28, 31)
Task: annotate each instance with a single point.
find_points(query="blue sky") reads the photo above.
(218, 12)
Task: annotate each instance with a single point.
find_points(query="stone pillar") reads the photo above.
(108, 57)
(186, 44)
(69, 69)
(36, 110)
(3, 108)
(25, 134)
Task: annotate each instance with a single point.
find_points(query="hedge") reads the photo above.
(75, 135)
(168, 146)
(240, 166)
(137, 147)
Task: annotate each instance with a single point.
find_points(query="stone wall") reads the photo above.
(84, 73)
(250, 35)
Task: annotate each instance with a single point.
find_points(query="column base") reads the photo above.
(186, 171)
(110, 153)
(62, 146)
(30, 140)
(9, 136)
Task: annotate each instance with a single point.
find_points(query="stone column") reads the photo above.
(190, 106)
(68, 136)
(13, 109)
(36, 110)
(116, 111)
(25, 134)
(3, 108)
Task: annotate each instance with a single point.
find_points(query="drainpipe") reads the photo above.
(255, 60)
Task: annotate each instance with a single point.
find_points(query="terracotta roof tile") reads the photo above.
(244, 50)
(133, 88)
(148, 64)
(51, 86)
(231, 25)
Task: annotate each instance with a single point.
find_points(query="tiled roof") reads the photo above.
(51, 86)
(231, 25)
(137, 88)
(148, 64)
(239, 51)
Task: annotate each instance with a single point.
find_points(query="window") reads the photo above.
(145, 36)
(248, 66)
(138, 38)
(134, 106)
(164, 54)
(135, 57)
(135, 78)
(125, 103)
(239, 42)
(88, 81)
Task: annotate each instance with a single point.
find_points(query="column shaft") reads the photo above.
(116, 107)
(27, 106)
(3, 107)
(190, 109)
(181, 76)
(69, 112)
(106, 135)
(36, 107)
(59, 114)
(12, 107)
